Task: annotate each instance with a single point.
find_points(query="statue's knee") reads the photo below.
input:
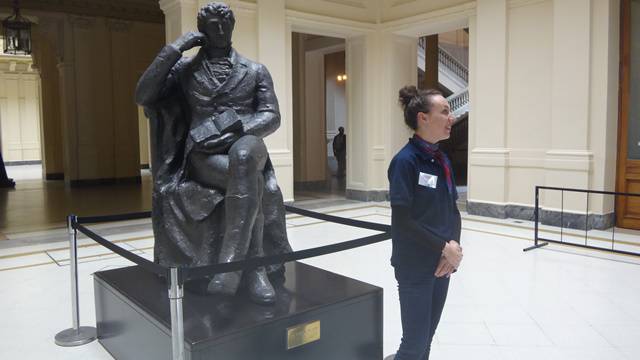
(248, 152)
(271, 187)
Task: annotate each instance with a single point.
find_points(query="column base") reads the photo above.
(547, 217)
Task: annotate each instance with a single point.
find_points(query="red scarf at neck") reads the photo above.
(435, 151)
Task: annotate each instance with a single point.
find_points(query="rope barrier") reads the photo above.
(193, 273)
(339, 220)
(110, 218)
(252, 263)
(139, 260)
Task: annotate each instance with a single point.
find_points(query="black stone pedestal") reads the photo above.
(133, 319)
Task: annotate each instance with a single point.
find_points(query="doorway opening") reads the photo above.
(319, 116)
(20, 120)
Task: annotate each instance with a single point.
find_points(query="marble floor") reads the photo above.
(36, 205)
(553, 303)
(556, 302)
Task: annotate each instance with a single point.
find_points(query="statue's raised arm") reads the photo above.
(159, 78)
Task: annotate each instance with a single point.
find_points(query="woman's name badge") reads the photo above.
(428, 180)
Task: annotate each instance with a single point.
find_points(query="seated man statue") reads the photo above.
(208, 116)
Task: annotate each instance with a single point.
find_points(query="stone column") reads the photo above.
(274, 51)
(68, 111)
(603, 124)
(180, 16)
(45, 57)
(431, 62)
(378, 64)
(569, 161)
(488, 158)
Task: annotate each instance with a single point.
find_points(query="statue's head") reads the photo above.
(216, 22)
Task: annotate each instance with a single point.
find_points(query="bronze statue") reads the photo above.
(215, 197)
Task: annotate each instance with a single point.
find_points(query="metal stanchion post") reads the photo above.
(77, 335)
(176, 293)
(536, 215)
(536, 220)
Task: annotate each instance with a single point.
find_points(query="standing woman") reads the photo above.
(425, 221)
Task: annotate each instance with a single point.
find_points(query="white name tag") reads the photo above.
(428, 180)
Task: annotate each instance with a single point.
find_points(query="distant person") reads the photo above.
(425, 221)
(340, 151)
(5, 182)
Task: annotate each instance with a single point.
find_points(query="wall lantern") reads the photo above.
(342, 77)
(17, 33)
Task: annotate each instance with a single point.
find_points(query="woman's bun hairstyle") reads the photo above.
(407, 94)
(413, 101)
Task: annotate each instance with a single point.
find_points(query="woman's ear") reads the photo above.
(422, 117)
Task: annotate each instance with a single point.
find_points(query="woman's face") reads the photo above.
(437, 122)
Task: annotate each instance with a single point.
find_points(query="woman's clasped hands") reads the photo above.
(450, 259)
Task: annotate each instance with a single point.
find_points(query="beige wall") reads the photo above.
(543, 85)
(560, 96)
(529, 97)
(19, 109)
(89, 67)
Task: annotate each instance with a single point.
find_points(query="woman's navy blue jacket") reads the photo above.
(432, 218)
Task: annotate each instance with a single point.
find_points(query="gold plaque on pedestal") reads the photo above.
(303, 334)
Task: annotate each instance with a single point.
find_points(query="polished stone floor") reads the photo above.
(553, 303)
(41, 205)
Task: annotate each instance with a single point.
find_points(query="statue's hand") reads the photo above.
(190, 40)
(220, 144)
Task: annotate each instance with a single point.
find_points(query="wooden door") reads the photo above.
(628, 172)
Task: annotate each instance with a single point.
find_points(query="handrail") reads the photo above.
(456, 101)
(459, 103)
(451, 63)
(447, 60)
(422, 43)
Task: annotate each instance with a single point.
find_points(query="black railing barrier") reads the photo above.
(540, 241)
(176, 276)
(192, 273)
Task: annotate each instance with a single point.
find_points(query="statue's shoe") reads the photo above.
(259, 287)
(225, 283)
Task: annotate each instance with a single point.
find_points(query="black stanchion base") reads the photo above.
(317, 315)
(535, 246)
(7, 183)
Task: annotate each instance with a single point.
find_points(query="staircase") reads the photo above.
(453, 76)
(459, 104)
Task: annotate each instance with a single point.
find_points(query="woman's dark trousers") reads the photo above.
(422, 298)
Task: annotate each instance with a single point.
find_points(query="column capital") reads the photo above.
(179, 17)
(169, 5)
